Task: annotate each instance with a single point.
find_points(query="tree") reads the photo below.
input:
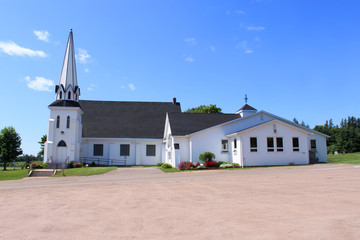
(295, 121)
(42, 142)
(10, 142)
(206, 157)
(205, 109)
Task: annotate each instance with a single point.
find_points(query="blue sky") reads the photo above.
(292, 58)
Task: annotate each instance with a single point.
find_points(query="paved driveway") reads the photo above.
(307, 202)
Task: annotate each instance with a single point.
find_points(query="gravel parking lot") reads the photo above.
(302, 202)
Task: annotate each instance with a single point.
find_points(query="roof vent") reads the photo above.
(174, 100)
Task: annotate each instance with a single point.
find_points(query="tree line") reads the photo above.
(344, 137)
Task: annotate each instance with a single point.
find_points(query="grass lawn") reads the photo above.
(85, 171)
(167, 170)
(349, 158)
(11, 174)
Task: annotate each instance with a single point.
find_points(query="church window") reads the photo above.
(313, 143)
(69, 95)
(235, 144)
(295, 142)
(62, 144)
(253, 144)
(279, 144)
(75, 97)
(270, 144)
(224, 145)
(57, 121)
(60, 94)
(98, 149)
(124, 149)
(68, 122)
(176, 145)
(150, 150)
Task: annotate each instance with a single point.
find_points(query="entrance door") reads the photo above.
(61, 152)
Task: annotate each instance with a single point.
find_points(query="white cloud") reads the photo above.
(244, 46)
(83, 56)
(122, 86)
(257, 39)
(212, 48)
(240, 12)
(132, 86)
(91, 88)
(42, 35)
(253, 28)
(188, 59)
(86, 70)
(39, 83)
(190, 41)
(13, 49)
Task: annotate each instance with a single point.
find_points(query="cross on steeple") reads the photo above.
(246, 98)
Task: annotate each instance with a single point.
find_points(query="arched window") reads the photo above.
(58, 122)
(69, 95)
(62, 144)
(68, 122)
(75, 97)
(60, 95)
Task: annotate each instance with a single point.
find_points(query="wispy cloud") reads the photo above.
(13, 49)
(254, 28)
(86, 70)
(39, 83)
(257, 39)
(42, 35)
(188, 59)
(212, 48)
(131, 86)
(191, 41)
(91, 88)
(83, 56)
(244, 46)
(238, 12)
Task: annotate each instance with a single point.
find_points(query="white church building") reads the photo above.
(146, 133)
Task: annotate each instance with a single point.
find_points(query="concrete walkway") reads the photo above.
(304, 202)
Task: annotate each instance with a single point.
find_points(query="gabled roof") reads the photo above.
(110, 119)
(187, 123)
(65, 103)
(246, 107)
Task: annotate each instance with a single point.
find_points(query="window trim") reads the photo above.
(147, 150)
(235, 144)
(270, 149)
(311, 143)
(280, 149)
(68, 122)
(296, 148)
(224, 145)
(128, 150)
(253, 148)
(102, 150)
(69, 95)
(58, 121)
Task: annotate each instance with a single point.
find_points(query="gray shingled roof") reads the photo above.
(107, 119)
(246, 107)
(187, 123)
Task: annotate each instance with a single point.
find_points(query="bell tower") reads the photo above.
(64, 127)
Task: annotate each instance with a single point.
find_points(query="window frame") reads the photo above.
(235, 144)
(269, 148)
(148, 153)
(279, 149)
(68, 122)
(127, 152)
(58, 121)
(176, 146)
(253, 148)
(224, 145)
(296, 148)
(312, 143)
(102, 150)
(69, 95)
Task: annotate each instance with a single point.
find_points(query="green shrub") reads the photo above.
(236, 165)
(44, 165)
(25, 166)
(226, 165)
(206, 157)
(166, 165)
(223, 162)
(77, 165)
(71, 164)
(35, 165)
(93, 164)
(159, 164)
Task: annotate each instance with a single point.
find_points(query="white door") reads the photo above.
(61, 154)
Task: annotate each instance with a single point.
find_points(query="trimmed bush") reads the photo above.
(226, 165)
(166, 165)
(211, 164)
(93, 164)
(222, 162)
(36, 165)
(186, 165)
(206, 156)
(236, 165)
(77, 165)
(159, 164)
(71, 164)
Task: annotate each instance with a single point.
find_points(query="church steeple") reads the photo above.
(68, 88)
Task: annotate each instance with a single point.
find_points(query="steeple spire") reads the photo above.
(68, 88)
